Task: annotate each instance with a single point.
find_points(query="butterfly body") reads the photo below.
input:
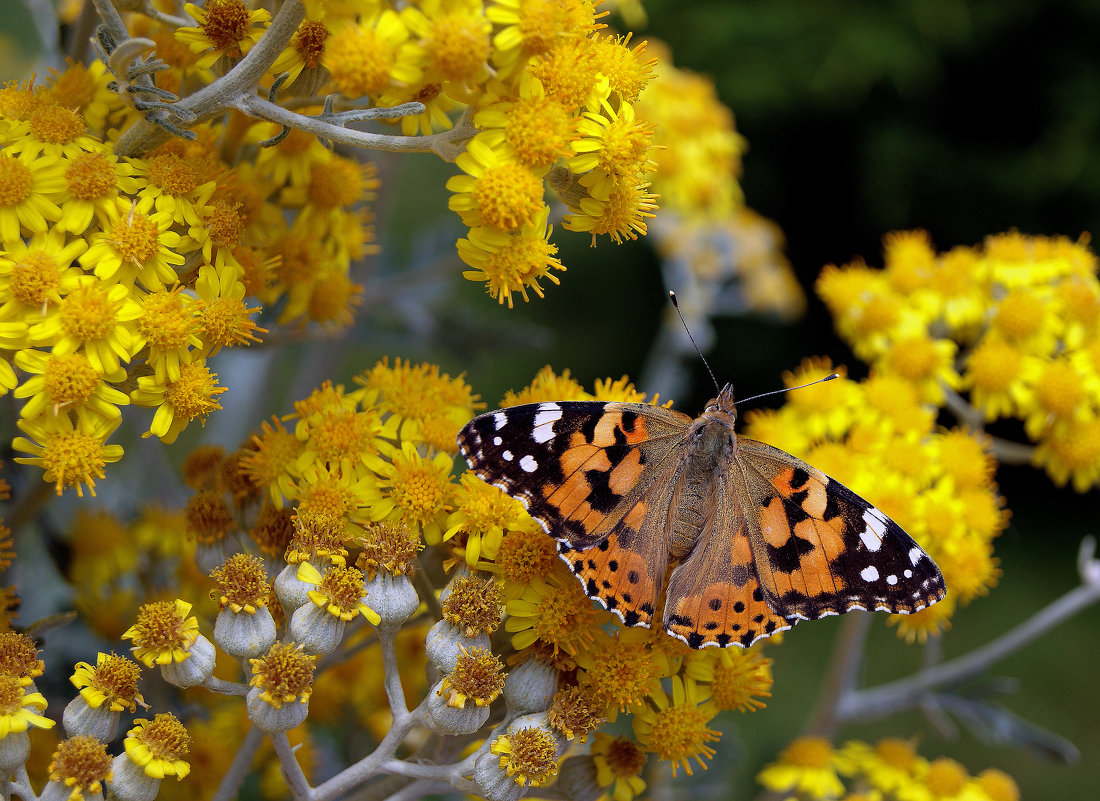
(756, 538)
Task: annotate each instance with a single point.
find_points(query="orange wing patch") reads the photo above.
(617, 573)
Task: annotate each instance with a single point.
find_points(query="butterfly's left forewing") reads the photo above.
(593, 474)
(578, 466)
(820, 549)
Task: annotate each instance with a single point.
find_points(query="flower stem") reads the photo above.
(231, 782)
(897, 695)
(843, 668)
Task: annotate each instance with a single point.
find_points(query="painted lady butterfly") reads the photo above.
(759, 539)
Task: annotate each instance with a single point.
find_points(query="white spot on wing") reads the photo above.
(541, 434)
(497, 441)
(547, 415)
(891, 580)
(869, 573)
(506, 456)
(528, 464)
(499, 420)
(915, 555)
(876, 529)
(908, 573)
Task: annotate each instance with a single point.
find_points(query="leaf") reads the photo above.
(996, 725)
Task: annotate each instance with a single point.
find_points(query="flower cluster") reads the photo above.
(890, 770)
(1007, 330)
(121, 277)
(558, 111)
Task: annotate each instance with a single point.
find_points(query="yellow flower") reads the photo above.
(36, 272)
(95, 318)
(29, 191)
(306, 48)
(529, 755)
(84, 88)
(56, 132)
(889, 767)
(926, 362)
(94, 181)
(621, 669)
(614, 141)
(1026, 319)
(70, 454)
(675, 728)
(20, 710)
(163, 633)
(619, 765)
(339, 591)
(225, 28)
(497, 191)
(342, 442)
(484, 514)
(1065, 390)
(529, 28)
(808, 767)
(364, 59)
(535, 129)
(555, 611)
(1001, 379)
(421, 400)
(113, 681)
(738, 678)
(415, 490)
(511, 262)
(547, 386)
(176, 188)
(570, 74)
(159, 746)
(193, 395)
(135, 245)
(66, 382)
(823, 410)
(616, 208)
(1071, 453)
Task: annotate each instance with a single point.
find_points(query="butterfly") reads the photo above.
(756, 539)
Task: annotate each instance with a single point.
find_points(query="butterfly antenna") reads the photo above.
(788, 389)
(676, 305)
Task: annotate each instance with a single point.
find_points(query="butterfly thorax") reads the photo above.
(710, 448)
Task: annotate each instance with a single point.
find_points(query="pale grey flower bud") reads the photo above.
(577, 779)
(445, 642)
(454, 720)
(130, 782)
(194, 670)
(393, 598)
(81, 718)
(268, 717)
(242, 634)
(530, 687)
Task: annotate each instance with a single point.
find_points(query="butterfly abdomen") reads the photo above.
(710, 447)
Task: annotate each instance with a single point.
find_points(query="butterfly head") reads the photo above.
(724, 402)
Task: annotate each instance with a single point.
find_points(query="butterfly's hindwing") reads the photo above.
(625, 570)
(714, 595)
(823, 550)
